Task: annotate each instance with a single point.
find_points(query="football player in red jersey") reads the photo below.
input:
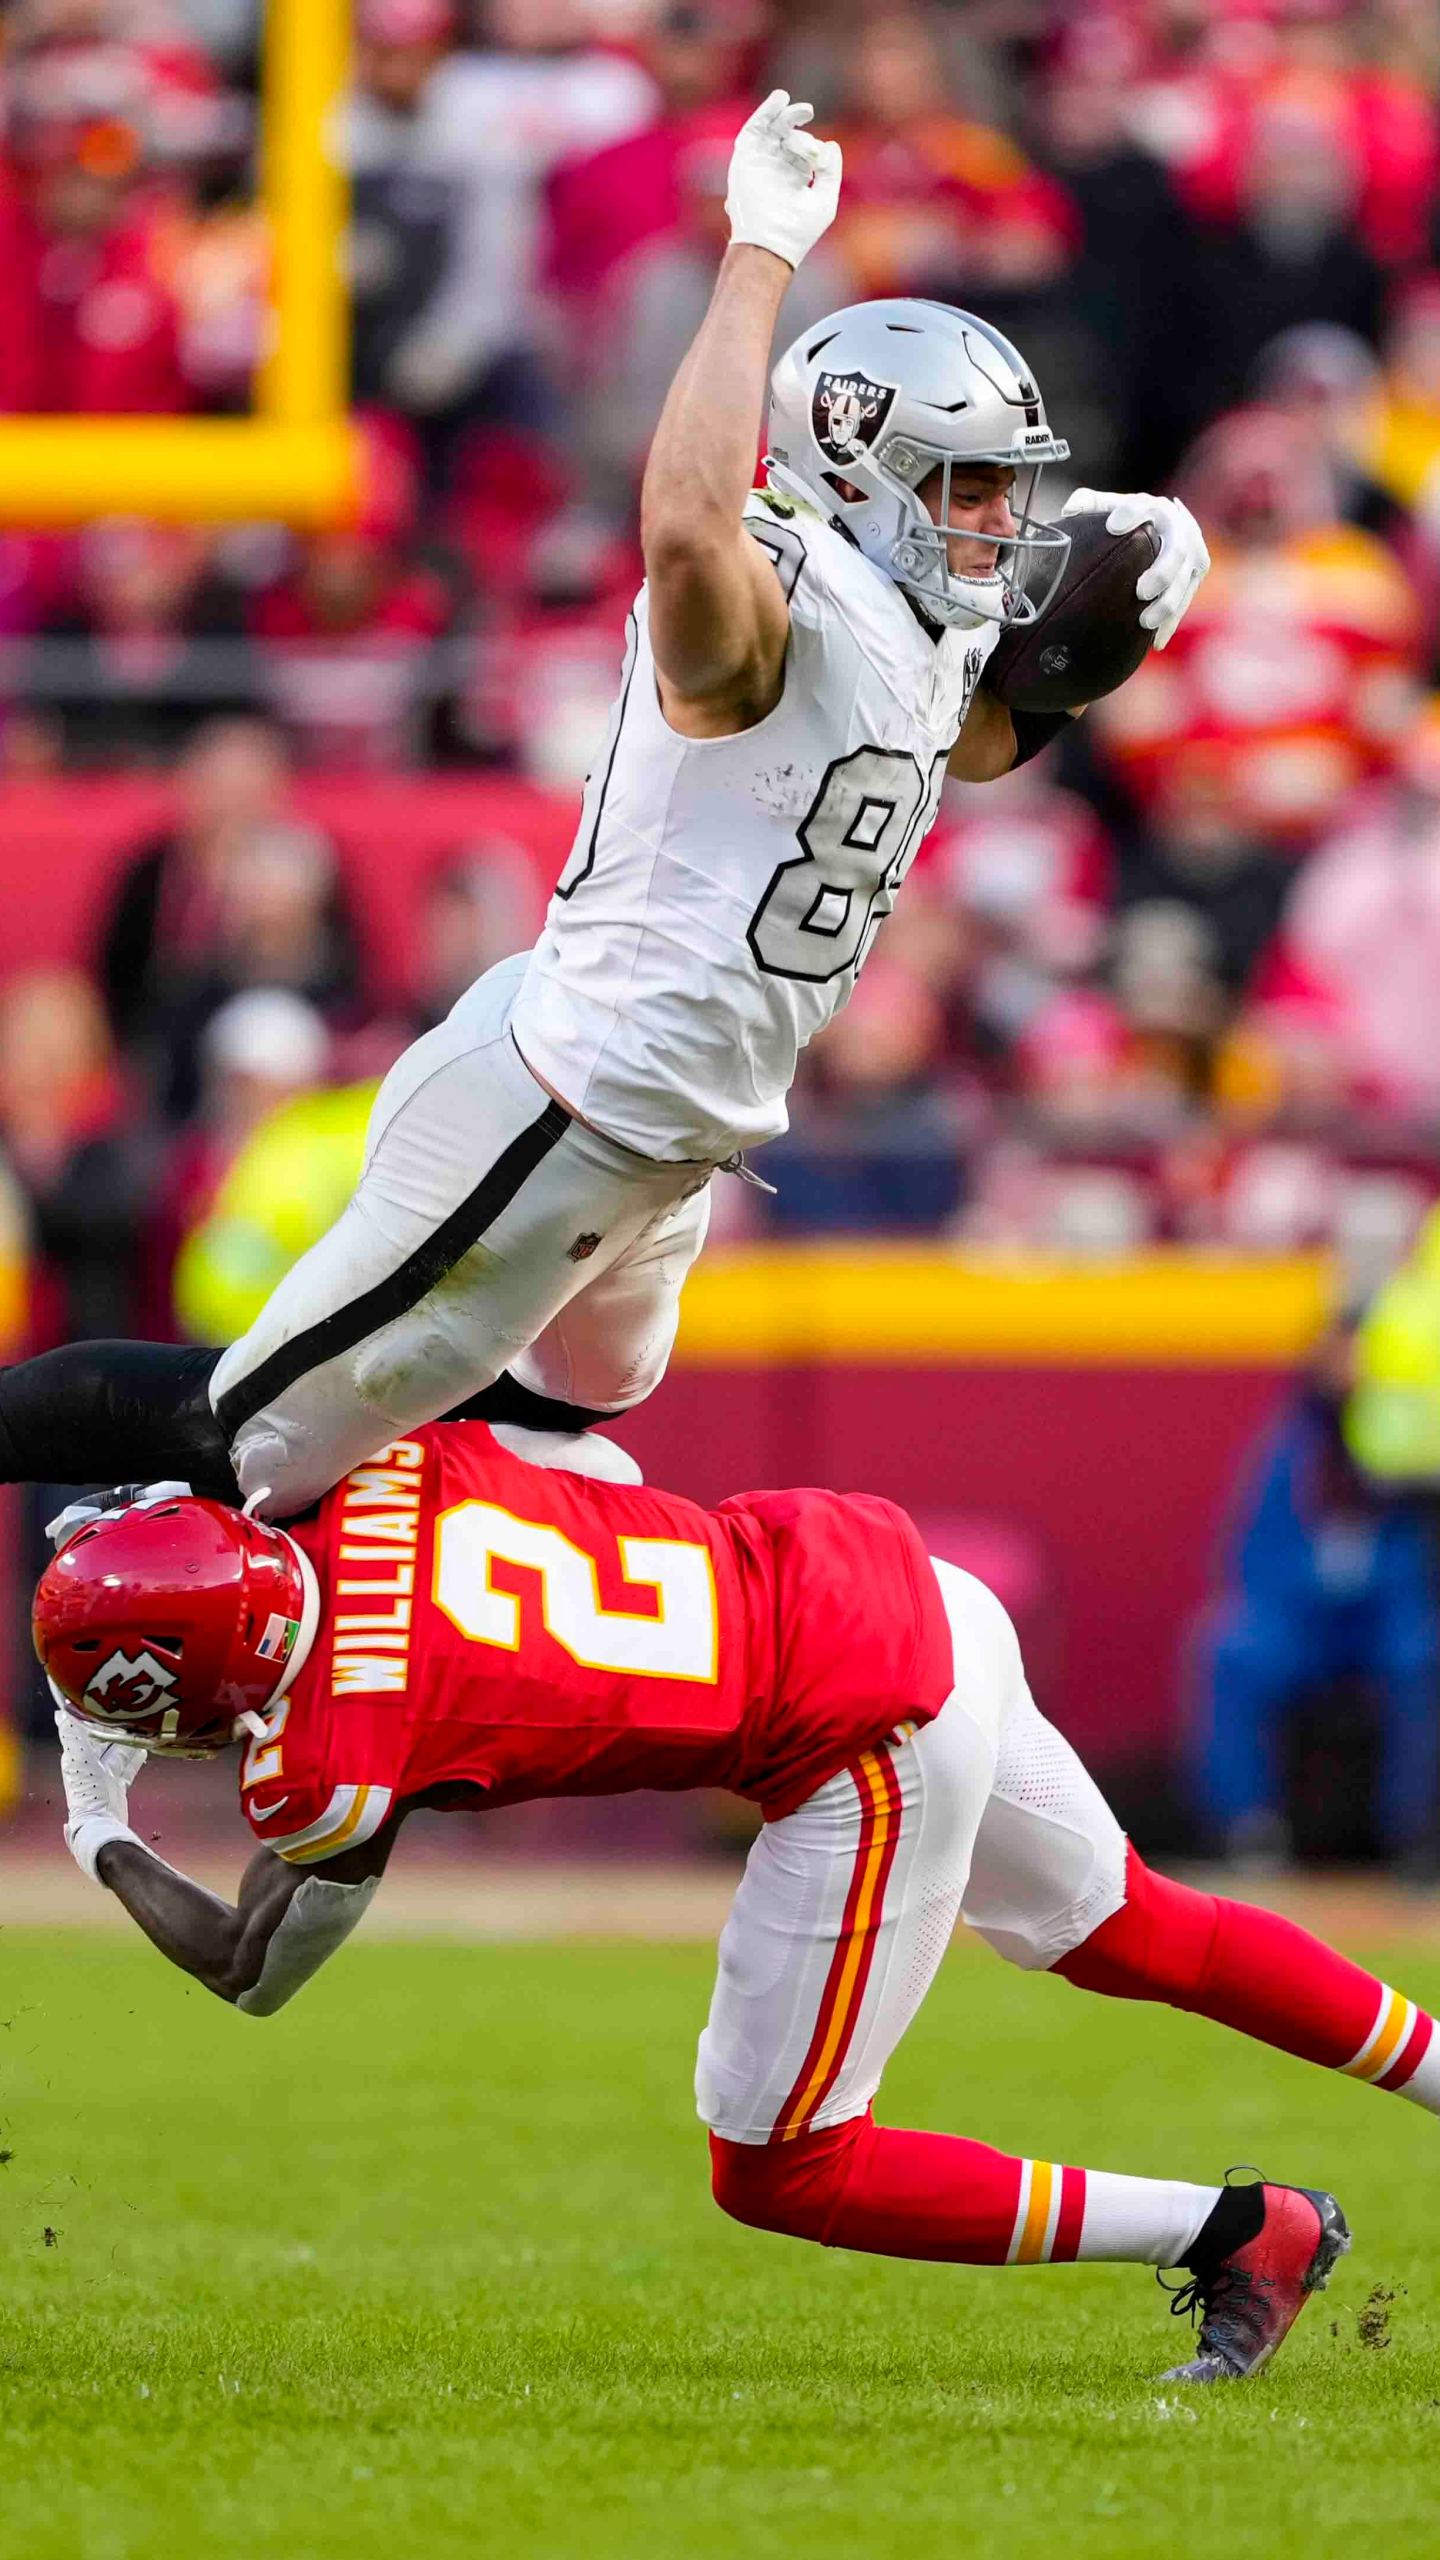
(455, 1627)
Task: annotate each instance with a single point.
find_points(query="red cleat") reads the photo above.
(1249, 2299)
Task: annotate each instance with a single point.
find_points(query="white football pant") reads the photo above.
(847, 1905)
(489, 1231)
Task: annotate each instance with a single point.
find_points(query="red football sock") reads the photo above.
(932, 2195)
(1252, 1970)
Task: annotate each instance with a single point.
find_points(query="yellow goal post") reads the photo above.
(294, 457)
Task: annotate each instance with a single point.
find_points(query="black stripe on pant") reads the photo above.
(401, 1289)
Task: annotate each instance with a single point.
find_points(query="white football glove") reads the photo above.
(784, 183)
(97, 1776)
(1168, 584)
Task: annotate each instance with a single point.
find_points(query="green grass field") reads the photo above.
(428, 2266)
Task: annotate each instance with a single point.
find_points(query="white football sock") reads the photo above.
(1154, 2220)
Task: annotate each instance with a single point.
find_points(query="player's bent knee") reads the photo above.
(1050, 1858)
(750, 2182)
(1155, 1947)
(790, 2187)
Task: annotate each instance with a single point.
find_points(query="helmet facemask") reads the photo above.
(1030, 562)
(866, 406)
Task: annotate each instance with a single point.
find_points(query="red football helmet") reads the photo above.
(166, 1624)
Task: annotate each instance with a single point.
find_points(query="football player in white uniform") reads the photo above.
(803, 666)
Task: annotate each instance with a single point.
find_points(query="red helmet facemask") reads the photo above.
(169, 1624)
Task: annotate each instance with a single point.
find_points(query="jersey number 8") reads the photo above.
(823, 908)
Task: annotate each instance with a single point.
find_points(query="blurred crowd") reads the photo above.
(1176, 980)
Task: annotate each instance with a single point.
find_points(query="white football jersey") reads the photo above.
(722, 893)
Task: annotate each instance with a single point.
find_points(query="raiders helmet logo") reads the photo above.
(848, 411)
(128, 1685)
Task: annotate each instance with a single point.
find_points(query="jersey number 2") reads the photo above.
(679, 1642)
(821, 909)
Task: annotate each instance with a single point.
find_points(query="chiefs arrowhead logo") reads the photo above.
(127, 1686)
(848, 412)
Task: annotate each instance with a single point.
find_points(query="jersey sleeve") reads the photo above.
(350, 1815)
(799, 543)
(781, 538)
(830, 588)
(301, 1788)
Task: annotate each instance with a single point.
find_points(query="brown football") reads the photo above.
(1088, 639)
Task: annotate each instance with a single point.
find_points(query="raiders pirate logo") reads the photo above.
(126, 1685)
(848, 412)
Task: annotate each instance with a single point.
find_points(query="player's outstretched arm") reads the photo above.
(718, 618)
(258, 1952)
(222, 1944)
(255, 1953)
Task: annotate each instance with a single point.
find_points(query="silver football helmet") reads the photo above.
(872, 400)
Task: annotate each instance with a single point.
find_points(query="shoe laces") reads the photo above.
(1225, 2289)
(1224, 2292)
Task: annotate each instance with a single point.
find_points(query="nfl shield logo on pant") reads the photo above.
(583, 1247)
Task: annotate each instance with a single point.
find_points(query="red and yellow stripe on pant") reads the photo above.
(1049, 2216)
(840, 2004)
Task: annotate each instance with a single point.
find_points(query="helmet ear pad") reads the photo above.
(164, 1623)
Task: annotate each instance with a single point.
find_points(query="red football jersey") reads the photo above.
(536, 1633)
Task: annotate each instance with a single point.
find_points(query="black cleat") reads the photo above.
(1251, 2296)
